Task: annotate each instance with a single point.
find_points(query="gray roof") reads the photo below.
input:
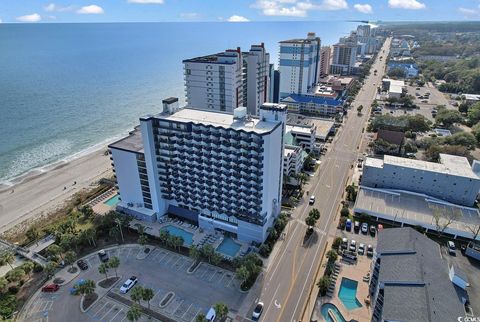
(131, 143)
(415, 278)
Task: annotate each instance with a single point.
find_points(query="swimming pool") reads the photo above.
(334, 311)
(228, 247)
(112, 201)
(348, 294)
(187, 237)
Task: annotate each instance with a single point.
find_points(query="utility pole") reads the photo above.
(120, 227)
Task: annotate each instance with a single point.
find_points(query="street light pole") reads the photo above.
(120, 227)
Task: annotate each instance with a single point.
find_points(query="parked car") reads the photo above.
(82, 264)
(211, 315)
(50, 288)
(356, 226)
(311, 201)
(361, 249)
(258, 310)
(348, 225)
(369, 251)
(353, 246)
(452, 250)
(127, 286)
(373, 231)
(344, 243)
(424, 101)
(103, 256)
(364, 228)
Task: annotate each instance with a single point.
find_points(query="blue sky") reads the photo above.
(235, 10)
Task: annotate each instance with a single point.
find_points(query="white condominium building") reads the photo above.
(344, 57)
(299, 65)
(215, 81)
(451, 180)
(256, 78)
(218, 170)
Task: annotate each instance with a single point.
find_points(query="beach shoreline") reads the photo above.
(40, 192)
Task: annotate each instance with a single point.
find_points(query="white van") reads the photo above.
(211, 314)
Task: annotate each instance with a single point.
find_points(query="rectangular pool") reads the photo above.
(228, 247)
(112, 201)
(187, 236)
(348, 294)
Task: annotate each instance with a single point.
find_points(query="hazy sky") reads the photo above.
(235, 10)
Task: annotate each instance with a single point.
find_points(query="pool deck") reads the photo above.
(198, 234)
(98, 205)
(354, 272)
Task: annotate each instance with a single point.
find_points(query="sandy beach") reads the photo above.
(41, 192)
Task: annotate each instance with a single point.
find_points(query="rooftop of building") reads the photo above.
(322, 126)
(328, 79)
(170, 100)
(472, 97)
(449, 164)
(415, 276)
(133, 142)
(394, 82)
(393, 137)
(414, 209)
(219, 119)
(212, 59)
(301, 98)
(301, 129)
(288, 150)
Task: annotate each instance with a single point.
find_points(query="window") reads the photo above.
(188, 71)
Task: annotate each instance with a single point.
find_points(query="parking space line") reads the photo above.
(105, 304)
(206, 271)
(121, 310)
(48, 306)
(198, 312)
(221, 279)
(124, 317)
(129, 251)
(179, 258)
(163, 256)
(181, 302)
(106, 313)
(186, 311)
(230, 281)
(213, 274)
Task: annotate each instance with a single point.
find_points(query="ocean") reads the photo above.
(67, 89)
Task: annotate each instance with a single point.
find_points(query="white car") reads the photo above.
(312, 200)
(364, 228)
(258, 310)
(361, 249)
(128, 285)
(353, 246)
(211, 315)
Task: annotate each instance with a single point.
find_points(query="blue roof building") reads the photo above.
(313, 105)
(411, 70)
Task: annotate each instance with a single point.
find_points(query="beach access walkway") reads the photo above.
(32, 251)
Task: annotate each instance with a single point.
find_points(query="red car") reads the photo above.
(50, 288)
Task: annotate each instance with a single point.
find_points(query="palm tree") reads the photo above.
(32, 234)
(15, 275)
(55, 250)
(87, 211)
(27, 267)
(221, 310)
(143, 239)
(103, 269)
(195, 253)
(242, 274)
(134, 313)
(137, 294)
(140, 229)
(147, 295)
(3, 284)
(310, 221)
(50, 268)
(163, 236)
(332, 255)
(85, 288)
(178, 242)
(114, 262)
(70, 258)
(201, 318)
(7, 257)
(90, 234)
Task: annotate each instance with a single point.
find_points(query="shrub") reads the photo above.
(344, 212)
(337, 242)
(37, 268)
(13, 289)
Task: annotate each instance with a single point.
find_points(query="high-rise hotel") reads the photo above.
(218, 170)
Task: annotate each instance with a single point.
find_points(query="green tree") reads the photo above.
(89, 235)
(351, 192)
(114, 263)
(201, 318)
(87, 212)
(70, 258)
(140, 229)
(147, 295)
(55, 250)
(323, 284)
(448, 117)
(27, 267)
(337, 242)
(50, 268)
(314, 213)
(15, 275)
(344, 212)
(163, 236)
(137, 294)
(178, 242)
(465, 139)
(32, 234)
(3, 284)
(195, 253)
(242, 274)
(221, 310)
(476, 131)
(103, 269)
(134, 313)
(143, 239)
(7, 257)
(207, 252)
(473, 113)
(332, 255)
(310, 221)
(85, 288)
(396, 72)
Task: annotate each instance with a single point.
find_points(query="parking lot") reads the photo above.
(359, 237)
(163, 271)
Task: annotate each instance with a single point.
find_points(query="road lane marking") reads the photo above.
(121, 310)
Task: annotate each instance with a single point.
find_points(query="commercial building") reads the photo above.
(215, 82)
(313, 105)
(217, 170)
(228, 80)
(325, 60)
(304, 135)
(410, 280)
(394, 88)
(452, 179)
(293, 158)
(256, 78)
(471, 98)
(339, 84)
(344, 58)
(299, 64)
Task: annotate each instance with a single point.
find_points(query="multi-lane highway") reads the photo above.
(287, 282)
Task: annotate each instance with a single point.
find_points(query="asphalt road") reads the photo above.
(287, 282)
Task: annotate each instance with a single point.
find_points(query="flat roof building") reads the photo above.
(410, 280)
(452, 179)
(218, 170)
(313, 105)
